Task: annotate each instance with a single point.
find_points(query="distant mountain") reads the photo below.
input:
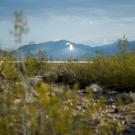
(3, 52)
(59, 50)
(112, 49)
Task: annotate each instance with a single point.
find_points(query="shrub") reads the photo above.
(37, 110)
(115, 72)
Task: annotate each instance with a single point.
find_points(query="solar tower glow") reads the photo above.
(71, 48)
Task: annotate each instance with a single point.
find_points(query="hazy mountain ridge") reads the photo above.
(59, 50)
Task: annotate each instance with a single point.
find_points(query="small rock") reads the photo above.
(125, 98)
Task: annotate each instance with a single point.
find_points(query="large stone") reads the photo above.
(96, 89)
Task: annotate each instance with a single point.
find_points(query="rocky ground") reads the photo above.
(120, 106)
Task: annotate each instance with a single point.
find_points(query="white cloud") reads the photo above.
(124, 20)
(69, 18)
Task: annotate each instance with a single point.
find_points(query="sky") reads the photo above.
(92, 22)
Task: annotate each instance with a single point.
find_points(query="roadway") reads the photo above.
(55, 62)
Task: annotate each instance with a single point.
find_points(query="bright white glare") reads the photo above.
(71, 48)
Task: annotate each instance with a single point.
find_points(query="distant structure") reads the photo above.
(71, 49)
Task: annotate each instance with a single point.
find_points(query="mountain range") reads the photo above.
(59, 50)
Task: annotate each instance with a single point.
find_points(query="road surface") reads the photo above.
(55, 62)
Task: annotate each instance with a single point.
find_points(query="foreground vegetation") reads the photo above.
(34, 108)
(37, 110)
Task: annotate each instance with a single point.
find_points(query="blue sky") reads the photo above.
(92, 22)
